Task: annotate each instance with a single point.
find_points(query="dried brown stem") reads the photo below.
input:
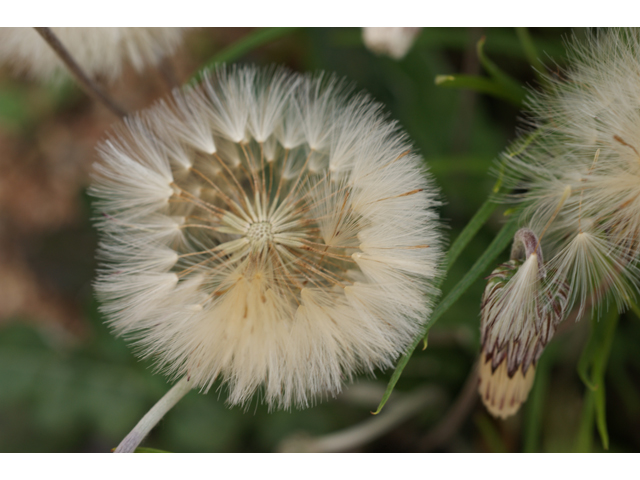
(453, 420)
(87, 84)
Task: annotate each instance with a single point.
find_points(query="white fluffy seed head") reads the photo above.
(99, 51)
(587, 142)
(298, 252)
(392, 41)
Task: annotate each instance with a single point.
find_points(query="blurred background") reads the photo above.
(68, 385)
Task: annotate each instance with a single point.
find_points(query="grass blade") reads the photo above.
(514, 88)
(591, 368)
(496, 247)
(480, 85)
(470, 230)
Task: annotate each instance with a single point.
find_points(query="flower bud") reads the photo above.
(519, 316)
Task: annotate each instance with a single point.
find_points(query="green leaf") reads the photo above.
(481, 85)
(253, 40)
(585, 361)
(496, 247)
(591, 369)
(470, 230)
(584, 439)
(508, 83)
(501, 240)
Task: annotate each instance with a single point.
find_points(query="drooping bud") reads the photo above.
(519, 316)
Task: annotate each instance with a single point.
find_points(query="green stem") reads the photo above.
(498, 244)
(481, 85)
(478, 220)
(514, 88)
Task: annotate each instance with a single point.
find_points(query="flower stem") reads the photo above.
(370, 429)
(87, 84)
(153, 416)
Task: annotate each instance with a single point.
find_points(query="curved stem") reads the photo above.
(369, 430)
(455, 417)
(87, 84)
(496, 247)
(153, 416)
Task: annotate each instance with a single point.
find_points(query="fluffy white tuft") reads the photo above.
(99, 51)
(587, 142)
(392, 41)
(266, 230)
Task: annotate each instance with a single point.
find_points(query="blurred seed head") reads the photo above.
(394, 42)
(99, 51)
(267, 229)
(587, 142)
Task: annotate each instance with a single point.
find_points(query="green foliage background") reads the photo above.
(85, 396)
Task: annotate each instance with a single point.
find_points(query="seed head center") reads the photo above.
(259, 233)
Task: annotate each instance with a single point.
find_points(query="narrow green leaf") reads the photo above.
(480, 85)
(502, 78)
(599, 368)
(585, 361)
(470, 230)
(530, 51)
(255, 39)
(585, 432)
(592, 367)
(601, 416)
(496, 247)
(501, 240)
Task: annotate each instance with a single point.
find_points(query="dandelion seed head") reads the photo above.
(587, 122)
(269, 230)
(99, 51)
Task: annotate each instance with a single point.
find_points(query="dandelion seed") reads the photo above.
(99, 51)
(297, 249)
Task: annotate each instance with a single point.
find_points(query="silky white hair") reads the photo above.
(268, 229)
(580, 169)
(99, 51)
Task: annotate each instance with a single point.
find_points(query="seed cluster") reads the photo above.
(266, 229)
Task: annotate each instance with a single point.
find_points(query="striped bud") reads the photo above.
(519, 316)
